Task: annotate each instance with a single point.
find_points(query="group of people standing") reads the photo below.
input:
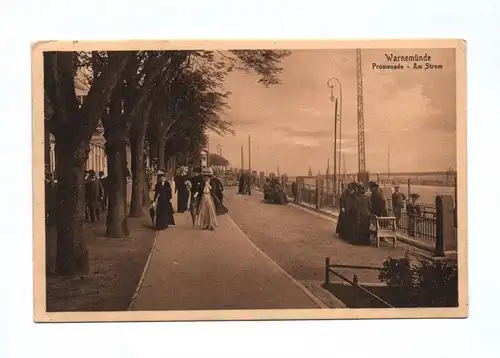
(245, 182)
(202, 193)
(356, 207)
(273, 191)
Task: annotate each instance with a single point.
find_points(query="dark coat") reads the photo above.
(182, 193)
(164, 209)
(397, 200)
(217, 188)
(361, 220)
(378, 203)
(345, 219)
(93, 191)
(196, 184)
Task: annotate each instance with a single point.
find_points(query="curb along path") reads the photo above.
(192, 269)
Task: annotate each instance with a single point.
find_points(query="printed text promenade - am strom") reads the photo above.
(425, 63)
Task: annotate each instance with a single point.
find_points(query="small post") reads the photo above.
(327, 271)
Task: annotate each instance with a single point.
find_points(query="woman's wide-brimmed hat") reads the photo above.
(207, 172)
(160, 173)
(414, 195)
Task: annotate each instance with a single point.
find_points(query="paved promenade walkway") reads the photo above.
(192, 269)
(299, 240)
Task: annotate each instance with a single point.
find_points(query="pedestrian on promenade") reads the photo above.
(241, 182)
(378, 202)
(398, 204)
(105, 190)
(294, 191)
(182, 190)
(218, 195)
(361, 216)
(248, 182)
(195, 186)
(162, 202)
(94, 194)
(207, 216)
(345, 222)
(217, 188)
(413, 212)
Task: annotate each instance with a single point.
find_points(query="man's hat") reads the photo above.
(372, 184)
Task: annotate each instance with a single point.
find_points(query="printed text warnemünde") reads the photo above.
(411, 58)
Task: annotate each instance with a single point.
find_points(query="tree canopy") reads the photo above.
(163, 103)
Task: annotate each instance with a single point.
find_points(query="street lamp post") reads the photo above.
(338, 117)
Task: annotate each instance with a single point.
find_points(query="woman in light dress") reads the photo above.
(207, 216)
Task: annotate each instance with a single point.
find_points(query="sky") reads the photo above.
(411, 113)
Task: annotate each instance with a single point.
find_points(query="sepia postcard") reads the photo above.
(249, 180)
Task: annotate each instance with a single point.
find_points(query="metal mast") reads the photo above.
(249, 154)
(361, 120)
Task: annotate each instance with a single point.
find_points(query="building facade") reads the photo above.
(97, 156)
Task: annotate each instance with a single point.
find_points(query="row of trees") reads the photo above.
(160, 102)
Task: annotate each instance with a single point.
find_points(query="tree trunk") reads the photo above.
(116, 220)
(161, 154)
(72, 254)
(138, 177)
(153, 150)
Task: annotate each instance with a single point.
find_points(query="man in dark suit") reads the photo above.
(196, 182)
(94, 194)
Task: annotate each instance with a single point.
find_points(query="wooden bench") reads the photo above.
(383, 227)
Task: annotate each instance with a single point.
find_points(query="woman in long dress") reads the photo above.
(346, 204)
(162, 203)
(207, 216)
(361, 216)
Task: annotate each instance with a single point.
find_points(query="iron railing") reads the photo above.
(424, 226)
(329, 269)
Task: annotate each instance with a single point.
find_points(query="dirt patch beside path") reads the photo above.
(115, 268)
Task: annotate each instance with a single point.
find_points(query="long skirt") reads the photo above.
(361, 234)
(341, 225)
(207, 216)
(164, 215)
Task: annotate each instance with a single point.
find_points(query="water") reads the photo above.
(427, 193)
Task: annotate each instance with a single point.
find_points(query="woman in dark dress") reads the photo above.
(241, 183)
(361, 218)
(346, 203)
(163, 205)
(218, 195)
